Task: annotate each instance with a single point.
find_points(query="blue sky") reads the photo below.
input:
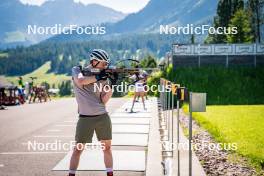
(126, 6)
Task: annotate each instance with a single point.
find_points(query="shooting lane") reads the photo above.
(176, 161)
(133, 142)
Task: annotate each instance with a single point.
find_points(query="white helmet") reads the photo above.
(100, 55)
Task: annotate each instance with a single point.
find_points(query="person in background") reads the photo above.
(145, 78)
(21, 88)
(139, 89)
(2, 98)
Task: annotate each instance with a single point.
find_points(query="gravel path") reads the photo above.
(213, 160)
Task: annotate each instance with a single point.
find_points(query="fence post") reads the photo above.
(227, 61)
(199, 57)
(168, 115)
(166, 106)
(178, 136)
(255, 56)
(172, 120)
(190, 136)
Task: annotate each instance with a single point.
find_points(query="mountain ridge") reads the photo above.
(154, 14)
(164, 12)
(15, 16)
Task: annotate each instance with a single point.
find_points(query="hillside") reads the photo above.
(15, 17)
(171, 12)
(43, 75)
(133, 37)
(154, 14)
(25, 60)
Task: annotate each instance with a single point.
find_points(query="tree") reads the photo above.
(254, 7)
(148, 62)
(53, 86)
(192, 39)
(244, 34)
(46, 85)
(225, 12)
(54, 64)
(65, 88)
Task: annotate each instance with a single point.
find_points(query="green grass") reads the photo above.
(42, 75)
(3, 55)
(241, 124)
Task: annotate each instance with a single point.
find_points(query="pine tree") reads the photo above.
(242, 21)
(65, 88)
(53, 86)
(192, 39)
(148, 62)
(254, 7)
(61, 87)
(225, 12)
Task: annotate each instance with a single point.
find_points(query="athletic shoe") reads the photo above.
(110, 174)
(2, 107)
(71, 174)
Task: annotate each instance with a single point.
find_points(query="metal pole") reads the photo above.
(190, 136)
(163, 98)
(166, 109)
(199, 58)
(178, 135)
(226, 61)
(161, 95)
(255, 56)
(172, 120)
(163, 103)
(168, 117)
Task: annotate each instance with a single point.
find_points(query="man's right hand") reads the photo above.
(102, 76)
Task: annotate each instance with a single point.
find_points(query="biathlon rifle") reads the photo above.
(115, 72)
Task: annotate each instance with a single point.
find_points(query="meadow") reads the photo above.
(43, 75)
(240, 124)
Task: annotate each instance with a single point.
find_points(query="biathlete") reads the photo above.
(93, 116)
(139, 89)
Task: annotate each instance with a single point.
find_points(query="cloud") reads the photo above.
(126, 6)
(33, 2)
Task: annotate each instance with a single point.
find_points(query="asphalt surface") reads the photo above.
(42, 123)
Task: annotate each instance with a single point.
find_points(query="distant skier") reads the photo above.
(139, 89)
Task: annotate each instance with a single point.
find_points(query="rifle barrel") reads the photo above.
(123, 70)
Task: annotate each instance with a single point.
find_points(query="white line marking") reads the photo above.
(52, 136)
(29, 153)
(70, 121)
(65, 125)
(53, 130)
(1, 165)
